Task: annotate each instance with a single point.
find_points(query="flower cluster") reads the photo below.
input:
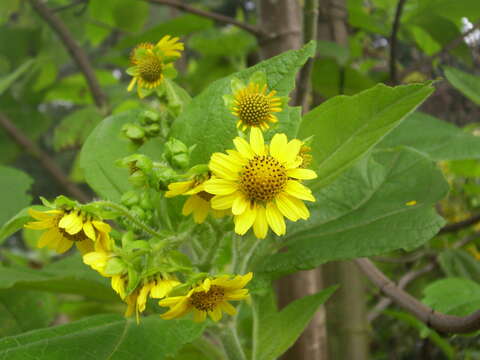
(256, 183)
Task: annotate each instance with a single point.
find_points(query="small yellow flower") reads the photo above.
(252, 104)
(98, 261)
(156, 288)
(198, 202)
(261, 184)
(152, 63)
(209, 298)
(68, 227)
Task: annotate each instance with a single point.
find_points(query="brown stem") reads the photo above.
(211, 15)
(460, 225)
(394, 41)
(75, 51)
(437, 321)
(310, 26)
(46, 161)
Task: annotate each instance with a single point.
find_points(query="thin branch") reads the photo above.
(75, 51)
(211, 15)
(449, 47)
(393, 41)
(460, 225)
(411, 276)
(45, 160)
(437, 321)
(310, 25)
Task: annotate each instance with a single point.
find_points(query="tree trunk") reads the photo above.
(282, 21)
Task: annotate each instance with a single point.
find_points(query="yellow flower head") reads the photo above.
(198, 202)
(152, 63)
(252, 104)
(261, 184)
(98, 261)
(66, 227)
(209, 298)
(156, 288)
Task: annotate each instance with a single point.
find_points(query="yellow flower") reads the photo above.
(252, 104)
(209, 298)
(98, 261)
(261, 184)
(66, 227)
(156, 288)
(198, 202)
(152, 63)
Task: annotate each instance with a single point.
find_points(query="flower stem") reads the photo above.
(231, 343)
(124, 212)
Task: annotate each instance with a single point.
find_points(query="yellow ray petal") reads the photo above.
(260, 226)
(245, 221)
(256, 141)
(301, 174)
(275, 219)
(298, 190)
(220, 186)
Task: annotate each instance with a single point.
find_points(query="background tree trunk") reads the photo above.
(282, 21)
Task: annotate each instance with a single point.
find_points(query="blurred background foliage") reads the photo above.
(46, 97)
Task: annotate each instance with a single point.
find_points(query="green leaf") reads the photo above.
(346, 127)
(22, 311)
(424, 330)
(437, 138)
(459, 263)
(68, 276)
(103, 337)
(229, 42)
(103, 147)
(365, 213)
(180, 26)
(75, 128)
(326, 79)
(467, 84)
(333, 50)
(278, 331)
(6, 81)
(207, 122)
(14, 185)
(438, 295)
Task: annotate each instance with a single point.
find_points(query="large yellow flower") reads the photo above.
(198, 202)
(68, 227)
(156, 288)
(209, 298)
(252, 104)
(261, 184)
(152, 63)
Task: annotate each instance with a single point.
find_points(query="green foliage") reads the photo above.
(215, 129)
(459, 263)
(6, 81)
(274, 336)
(103, 337)
(23, 310)
(436, 138)
(468, 85)
(373, 219)
(16, 222)
(14, 185)
(438, 295)
(68, 276)
(344, 128)
(103, 147)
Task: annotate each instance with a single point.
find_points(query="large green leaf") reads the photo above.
(467, 84)
(103, 147)
(207, 122)
(22, 310)
(277, 331)
(438, 295)
(437, 138)
(346, 127)
(13, 187)
(366, 212)
(69, 276)
(103, 337)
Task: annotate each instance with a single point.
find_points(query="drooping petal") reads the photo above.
(260, 226)
(228, 308)
(178, 188)
(286, 207)
(200, 212)
(216, 314)
(89, 230)
(199, 316)
(245, 221)
(223, 202)
(239, 205)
